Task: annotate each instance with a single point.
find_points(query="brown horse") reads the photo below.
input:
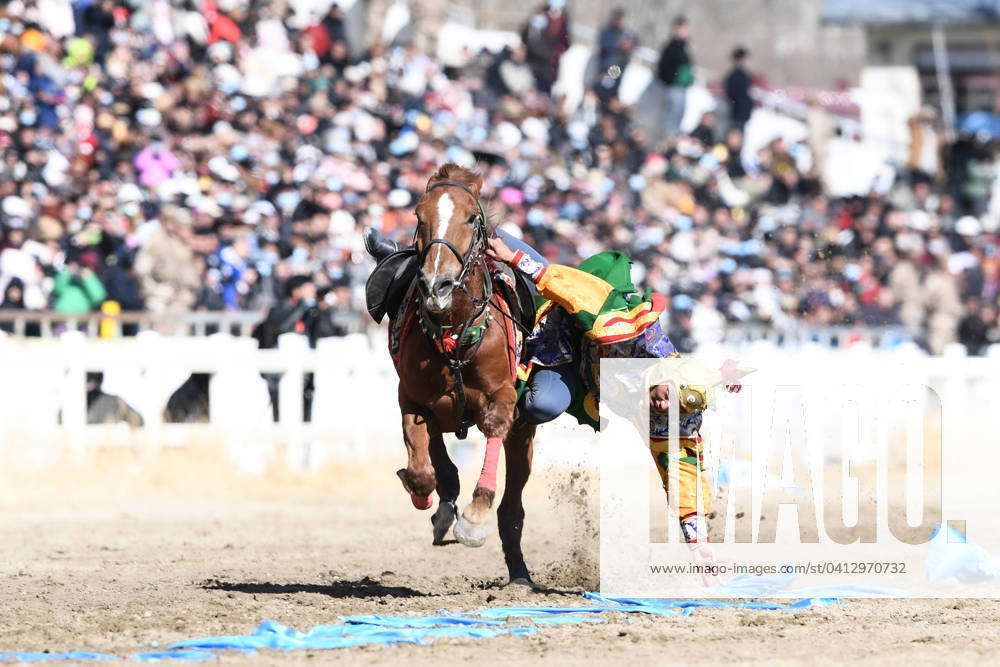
(459, 373)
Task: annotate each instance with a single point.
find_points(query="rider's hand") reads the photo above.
(731, 374)
(499, 251)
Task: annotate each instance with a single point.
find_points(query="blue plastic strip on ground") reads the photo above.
(190, 656)
(27, 656)
(271, 635)
(954, 558)
(641, 604)
(484, 623)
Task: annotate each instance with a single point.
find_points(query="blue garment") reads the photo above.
(560, 371)
(549, 393)
(231, 267)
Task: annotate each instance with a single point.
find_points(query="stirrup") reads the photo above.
(377, 245)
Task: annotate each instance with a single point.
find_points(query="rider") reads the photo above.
(600, 315)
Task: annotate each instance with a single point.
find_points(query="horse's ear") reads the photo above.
(477, 182)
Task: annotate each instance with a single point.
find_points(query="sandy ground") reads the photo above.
(115, 551)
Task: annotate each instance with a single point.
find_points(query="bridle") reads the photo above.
(477, 245)
(469, 335)
(472, 256)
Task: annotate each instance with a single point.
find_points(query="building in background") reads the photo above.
(951, 48)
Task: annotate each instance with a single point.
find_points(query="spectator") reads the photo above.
(298, 313)
(13, 299)
(609, 40)
(705, 131)
(18, 260)
(77, 289)
(202, 156)
(546, 39)
(104, 408)
(737, 87)
(166, 270)
(515, 74)
(675, 70)
(941, 292)
(616, 47)
(924, 156)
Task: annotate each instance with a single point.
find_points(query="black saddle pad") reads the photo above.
(387, 285)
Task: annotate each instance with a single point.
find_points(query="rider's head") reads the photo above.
(659, 399)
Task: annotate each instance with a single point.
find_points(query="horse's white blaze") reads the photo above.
(446, 209)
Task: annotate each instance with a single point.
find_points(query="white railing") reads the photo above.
(803, 334)
(42, 380)
(46, 324)
(43, 397)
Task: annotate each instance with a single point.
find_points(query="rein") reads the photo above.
(454, 341)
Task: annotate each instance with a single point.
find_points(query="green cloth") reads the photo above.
(77, 294)
(684, 76)
(79, 52)
(615, 268)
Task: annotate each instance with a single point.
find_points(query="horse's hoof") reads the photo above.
(421, 502)
(522, 581)
(470, 534)
(442, 519)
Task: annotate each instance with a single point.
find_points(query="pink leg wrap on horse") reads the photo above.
(488, 478)
(421, 502)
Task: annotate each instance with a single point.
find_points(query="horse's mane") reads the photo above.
(458, 174)
(472, 179)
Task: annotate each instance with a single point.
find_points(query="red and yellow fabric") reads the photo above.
(601, 297)
(690, 468)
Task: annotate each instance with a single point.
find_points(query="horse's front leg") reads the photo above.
(418, 477)
(447, 489)
(495, 424)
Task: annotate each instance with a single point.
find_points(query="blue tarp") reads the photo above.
(27, 656)
(158, 656)
(377, 629)
(952, 557)
(271, 635)
(644, 604)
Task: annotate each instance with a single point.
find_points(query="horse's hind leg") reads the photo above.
(510, 515)
(447, 489)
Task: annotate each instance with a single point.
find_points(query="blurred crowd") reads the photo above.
(170, 155)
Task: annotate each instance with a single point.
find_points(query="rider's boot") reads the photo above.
(377, 245)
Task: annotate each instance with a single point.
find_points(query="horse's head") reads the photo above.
(451, 233)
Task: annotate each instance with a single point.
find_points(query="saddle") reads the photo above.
(518, 291)
(390, 281)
